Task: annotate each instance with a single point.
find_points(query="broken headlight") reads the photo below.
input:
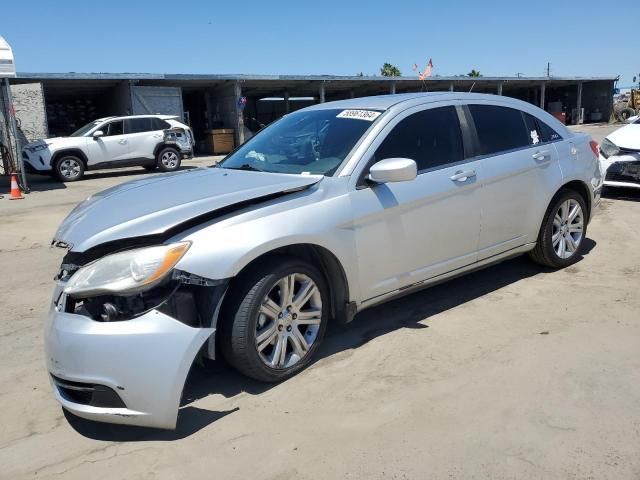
(126, 272)
(608, 148)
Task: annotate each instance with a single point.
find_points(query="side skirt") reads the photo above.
(458, 272)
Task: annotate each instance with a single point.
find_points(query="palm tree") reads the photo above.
(474, 73)
(389, 70)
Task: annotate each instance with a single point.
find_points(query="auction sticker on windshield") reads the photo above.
(368, 115)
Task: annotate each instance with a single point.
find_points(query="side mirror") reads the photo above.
(97, 134)
(393, 170)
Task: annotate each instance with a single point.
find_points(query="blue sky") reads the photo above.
(328, 37)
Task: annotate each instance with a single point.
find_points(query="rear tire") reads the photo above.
(69, 168)
(168, 159)
(265, 333)
(561, 238)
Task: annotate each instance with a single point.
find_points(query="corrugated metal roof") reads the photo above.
(250, 77)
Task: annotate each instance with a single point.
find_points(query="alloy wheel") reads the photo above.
(567, 231)
(69, 168)
(169, 159)
(288, 321)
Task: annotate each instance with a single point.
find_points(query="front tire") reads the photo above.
(561, 238)
(168, 159)
(69, 168)
(275, 319)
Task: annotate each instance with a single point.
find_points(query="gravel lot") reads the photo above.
(512, 372)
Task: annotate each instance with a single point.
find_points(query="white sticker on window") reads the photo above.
(534, 137)
(368, 115)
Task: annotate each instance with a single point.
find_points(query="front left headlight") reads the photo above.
(37, 148)
(126, 272)
(608, 148)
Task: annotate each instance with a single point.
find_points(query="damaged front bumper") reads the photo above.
(128, 372)
(621, 170)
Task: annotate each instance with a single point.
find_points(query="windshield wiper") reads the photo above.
(244, 166)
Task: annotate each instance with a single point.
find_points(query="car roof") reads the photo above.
(404, 101)
(161, 117)
(384, 102)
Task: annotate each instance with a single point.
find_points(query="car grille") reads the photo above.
(88, 393)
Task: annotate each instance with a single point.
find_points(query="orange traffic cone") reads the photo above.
(15, 194)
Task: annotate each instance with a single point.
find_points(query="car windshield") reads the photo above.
(85, 129)
(304, 142)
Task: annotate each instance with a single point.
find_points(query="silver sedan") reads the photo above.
(328, 211)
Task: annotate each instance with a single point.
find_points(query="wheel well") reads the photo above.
(160, 146)
(328, 265)
(580, 187)
(70, 151)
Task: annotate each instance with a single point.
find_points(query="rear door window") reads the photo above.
(500, 129)
(431, 137)
(535, 137)
(548, 133)
(138, 125)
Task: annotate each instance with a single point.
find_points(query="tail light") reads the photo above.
(595, 148)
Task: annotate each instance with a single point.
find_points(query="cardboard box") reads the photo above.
(220, 141)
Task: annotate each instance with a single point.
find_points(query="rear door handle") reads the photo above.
(541, 156)
(461, 176)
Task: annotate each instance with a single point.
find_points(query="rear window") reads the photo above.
(499, 128)
(157, 124)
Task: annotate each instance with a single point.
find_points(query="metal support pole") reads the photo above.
(287, 106)
(451, 87)
(500, 88)
(322, 93)
(543, 90)
(237, 94)
(16, 138)
(392, 88)
(352, 94)
(579, 104)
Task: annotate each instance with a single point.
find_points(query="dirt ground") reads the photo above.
(511, 372)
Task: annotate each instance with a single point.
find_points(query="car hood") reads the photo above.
(154, 205)
(626, 137)
(57, 141)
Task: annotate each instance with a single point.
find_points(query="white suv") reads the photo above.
(151, 141)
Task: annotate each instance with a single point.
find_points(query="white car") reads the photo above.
(151, 141)
(620, 156)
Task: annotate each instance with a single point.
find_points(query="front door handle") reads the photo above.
(122, 142)
(540, 156)
(461, 176)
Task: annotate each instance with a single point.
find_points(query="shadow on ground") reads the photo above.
(44, 183)
(190, 420)
(412, 311)
(36, 183)
(628, 194)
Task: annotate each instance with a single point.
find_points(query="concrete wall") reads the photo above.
(31, 116)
